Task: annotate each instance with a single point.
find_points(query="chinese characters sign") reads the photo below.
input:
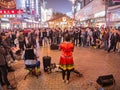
(11, 11)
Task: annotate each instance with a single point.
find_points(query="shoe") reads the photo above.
(11, 87)
(67, 82)
(63, 81)
(9, 62)
(16, 61)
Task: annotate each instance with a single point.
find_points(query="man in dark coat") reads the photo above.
(113, 41)
(3, 69)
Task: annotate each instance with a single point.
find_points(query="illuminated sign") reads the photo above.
(100, 14)
(17, 11)
(9, 4)
(10, 16)
(64, 19)
(1, 16)
(116, 0)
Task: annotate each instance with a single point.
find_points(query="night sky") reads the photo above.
(63, 6)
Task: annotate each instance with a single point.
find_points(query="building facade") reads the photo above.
(5, 6)
(32, 13)
(46, 13)
(62, 22)
(113, 13)
(91, 13)
(98, 13)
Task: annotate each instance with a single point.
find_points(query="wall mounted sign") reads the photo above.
(116, 0)
(8, 4)
(16, 11)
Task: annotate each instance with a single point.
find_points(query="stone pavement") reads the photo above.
(89, 61)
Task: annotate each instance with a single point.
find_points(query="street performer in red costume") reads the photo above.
(66, 59)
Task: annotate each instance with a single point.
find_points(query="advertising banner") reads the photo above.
(15, 11)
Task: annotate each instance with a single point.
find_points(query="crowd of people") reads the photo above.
(106, 38)
(103, 38)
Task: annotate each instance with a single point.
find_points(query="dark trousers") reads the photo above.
(21, 45)
(11, 53)
(112, 46)
(76, 41)
(40, 41)
(3, 75)
(79, 41)
(1, 81)
(68, 74)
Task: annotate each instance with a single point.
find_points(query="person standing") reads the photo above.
(6, 46)
(45, 39)
(113, 41)
(21, 40)
(3, 70)
(119, 42)
(106, 39)
(66, 59)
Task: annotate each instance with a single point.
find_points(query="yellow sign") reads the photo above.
(1, 16)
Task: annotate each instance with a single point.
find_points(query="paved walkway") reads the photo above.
(89, 61)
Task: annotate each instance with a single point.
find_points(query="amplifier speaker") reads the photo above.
(106, 80)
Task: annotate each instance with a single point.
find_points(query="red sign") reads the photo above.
(116, 0)
(33, 12)
(17, 11)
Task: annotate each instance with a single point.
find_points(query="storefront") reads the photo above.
(114, 16)
(10, 18)
(5, 23)
(92, 14)
(98, 19)
(61, 22)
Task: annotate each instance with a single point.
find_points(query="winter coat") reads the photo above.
(2, 58)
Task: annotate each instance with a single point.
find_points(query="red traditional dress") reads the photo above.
(66, 59)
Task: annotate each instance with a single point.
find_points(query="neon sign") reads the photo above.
(17, 11)
(9, 4)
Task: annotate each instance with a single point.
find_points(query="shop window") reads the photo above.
(82, 3)
(113, 3)
(87, 1)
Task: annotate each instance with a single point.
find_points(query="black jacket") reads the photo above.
(114, 38)
(29, 54)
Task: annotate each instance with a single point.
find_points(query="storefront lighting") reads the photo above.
(100, 14)
(4, 19)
